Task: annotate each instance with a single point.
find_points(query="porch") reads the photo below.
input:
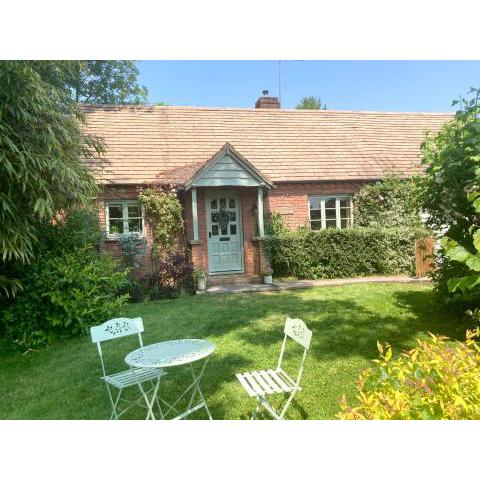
(224, 207)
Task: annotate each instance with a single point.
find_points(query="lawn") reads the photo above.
(62, 381)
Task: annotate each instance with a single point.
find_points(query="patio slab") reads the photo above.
(299, 284)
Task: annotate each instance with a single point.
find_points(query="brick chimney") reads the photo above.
(267, 102)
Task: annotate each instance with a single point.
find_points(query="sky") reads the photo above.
(409, 86)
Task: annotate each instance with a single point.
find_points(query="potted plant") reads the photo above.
(200, 278)
(267, 276)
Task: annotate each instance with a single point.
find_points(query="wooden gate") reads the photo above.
(424, 251)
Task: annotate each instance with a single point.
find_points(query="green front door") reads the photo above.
(224, 232)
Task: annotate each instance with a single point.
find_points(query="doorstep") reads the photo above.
(299, 284)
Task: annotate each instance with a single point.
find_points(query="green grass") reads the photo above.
(62, 381)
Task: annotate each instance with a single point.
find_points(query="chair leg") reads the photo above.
(114, 412)
(289, 401)
(257, 408)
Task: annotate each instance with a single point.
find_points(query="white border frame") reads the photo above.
(337, 197)
(125, 204)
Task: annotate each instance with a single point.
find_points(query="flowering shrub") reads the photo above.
(170, 277)
(436, 380)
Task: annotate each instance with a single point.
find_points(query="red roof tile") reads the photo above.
(145, 143)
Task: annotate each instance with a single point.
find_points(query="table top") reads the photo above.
(170, 354)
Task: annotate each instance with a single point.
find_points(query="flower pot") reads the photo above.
(202, 284)
(267, 279)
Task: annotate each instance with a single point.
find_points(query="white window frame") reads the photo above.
(125, 204)
(322, 199)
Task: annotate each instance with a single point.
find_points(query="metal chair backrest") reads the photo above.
(116, 328)
(297, 331)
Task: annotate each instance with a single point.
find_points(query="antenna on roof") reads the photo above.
(280, 82)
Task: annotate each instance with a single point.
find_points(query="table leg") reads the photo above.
(150, 404)
(196, 390)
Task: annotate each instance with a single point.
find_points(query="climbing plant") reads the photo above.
(163, 212)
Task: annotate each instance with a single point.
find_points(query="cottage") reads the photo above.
(231, 165)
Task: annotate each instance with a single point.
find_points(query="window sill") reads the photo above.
(116, 238)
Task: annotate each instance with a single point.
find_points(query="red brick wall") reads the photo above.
(129, 192)
(291, 199)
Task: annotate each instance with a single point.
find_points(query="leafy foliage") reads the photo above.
(96, 81)
(67, 286)
(63, 295)
(435, 380)
(449, 193)
(336, 253)
(311, 103)
(172, 275)
(41, 146)
(133, 247)
(392, 202)
(164, 213)
(452, 163)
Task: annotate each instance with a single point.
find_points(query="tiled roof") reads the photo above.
(146, 142)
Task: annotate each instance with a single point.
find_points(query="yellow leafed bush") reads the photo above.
(436, 380)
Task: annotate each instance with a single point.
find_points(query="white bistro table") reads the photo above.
(172, 354)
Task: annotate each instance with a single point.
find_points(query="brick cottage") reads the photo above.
(232, 165)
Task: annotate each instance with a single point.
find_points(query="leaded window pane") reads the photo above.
(115, 211)
(116, 226)
(231, 203)
(330, 202)
(135, 225)
(331, 223)
(213, 204)
(223, 203)
(224, 230)
(214, 229)
(331, 214)
(315, 214)
(134, 211)
(233, 229)
(316, 225)
(233, 216)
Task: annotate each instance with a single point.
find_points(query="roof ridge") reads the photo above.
(269, 111)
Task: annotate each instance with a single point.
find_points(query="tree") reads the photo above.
(448, 193)
(42, 145)
(311, 103)
(96, 81)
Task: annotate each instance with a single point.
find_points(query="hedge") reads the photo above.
(336, 253)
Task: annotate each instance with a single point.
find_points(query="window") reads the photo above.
(124, 217)
(330, 212)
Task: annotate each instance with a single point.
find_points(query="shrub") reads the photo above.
(170, 277)
(391, 202)
(69, 285)
(436, 380)
(133, 247)
(64, 294)
(448, 189)
(336, 253)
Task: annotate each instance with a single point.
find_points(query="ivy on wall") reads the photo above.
(164, 214)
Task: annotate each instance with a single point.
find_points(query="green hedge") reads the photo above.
(353, 252)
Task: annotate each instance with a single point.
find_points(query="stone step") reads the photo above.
(232, 279)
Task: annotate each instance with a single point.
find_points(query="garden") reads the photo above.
(63, 380)
(56, 282)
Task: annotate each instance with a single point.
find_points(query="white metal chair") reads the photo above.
(117, 328)
(262, 383)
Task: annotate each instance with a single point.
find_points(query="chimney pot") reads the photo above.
(267, 102)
